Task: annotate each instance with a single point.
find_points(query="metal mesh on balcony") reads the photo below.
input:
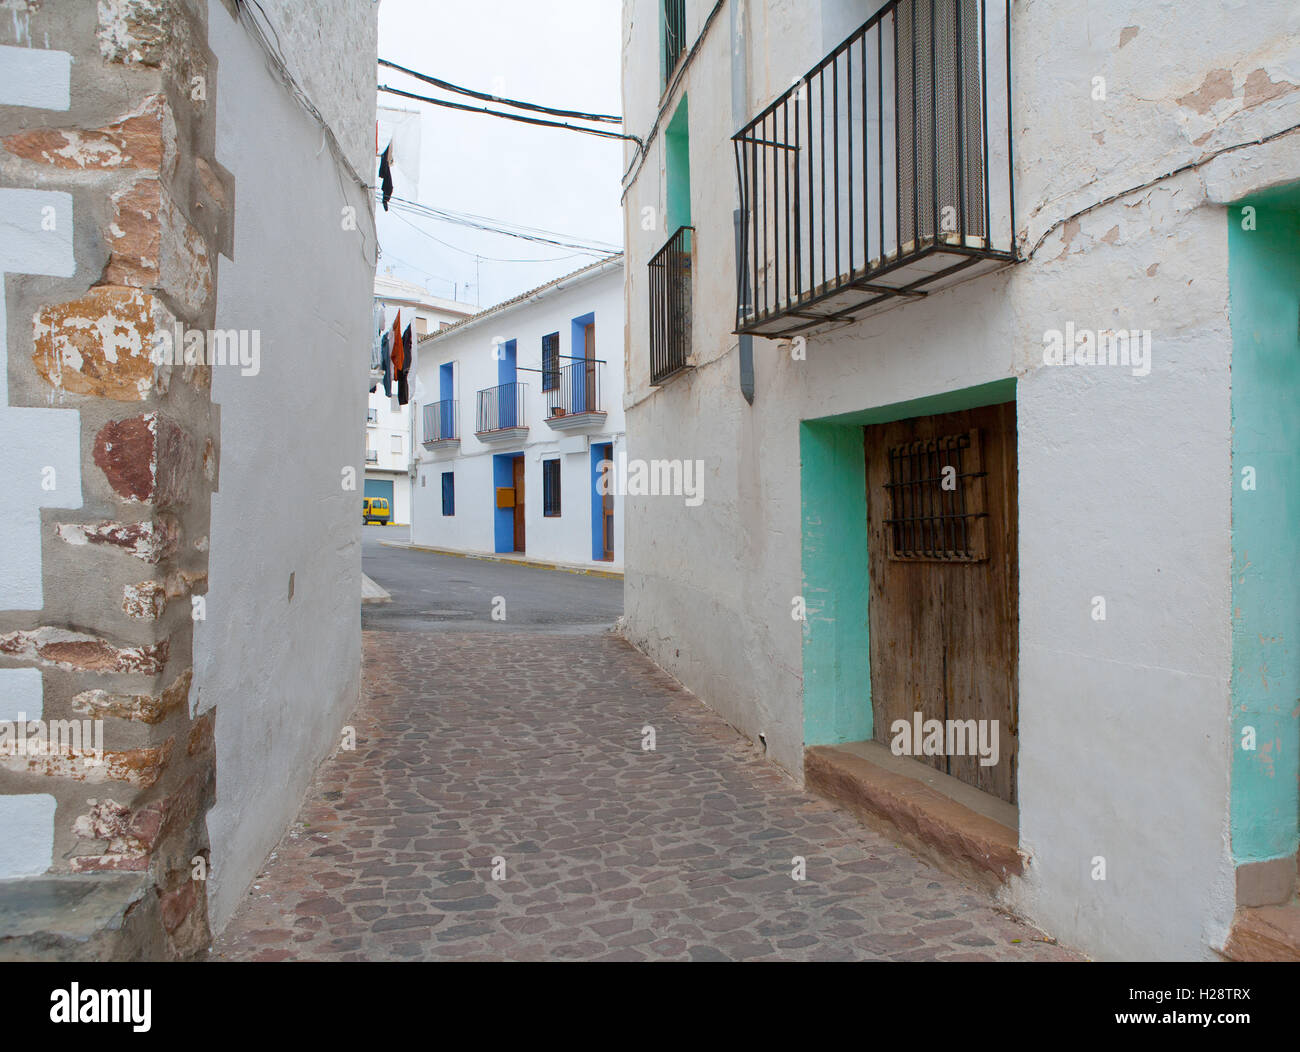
(883, 173)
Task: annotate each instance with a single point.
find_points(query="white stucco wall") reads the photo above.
(566, 538)
(282, 672)
(1124, 481)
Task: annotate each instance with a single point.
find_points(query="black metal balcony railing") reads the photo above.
(501, 407)
(577, 389)
(670, 306)
(674, 33)
(885, 172)
(440, 421)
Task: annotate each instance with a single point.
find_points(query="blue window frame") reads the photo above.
(448, 493)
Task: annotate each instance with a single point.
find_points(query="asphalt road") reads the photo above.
(433, 591)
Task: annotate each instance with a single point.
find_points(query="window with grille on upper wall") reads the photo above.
(550, 488)
(937, 511)
(673, 34)
(448, 493)
(551, 362)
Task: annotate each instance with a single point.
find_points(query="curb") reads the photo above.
(537, 564)
(372, 592)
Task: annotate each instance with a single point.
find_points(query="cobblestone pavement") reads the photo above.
(475, 748)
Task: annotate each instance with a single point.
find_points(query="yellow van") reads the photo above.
(375, 509)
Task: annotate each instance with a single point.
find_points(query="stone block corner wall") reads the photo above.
(113, 211)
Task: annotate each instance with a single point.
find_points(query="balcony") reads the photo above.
(439, 426)
(670, 306)
(881, 176)
(573, 402)
(501, 413)
(372, 456)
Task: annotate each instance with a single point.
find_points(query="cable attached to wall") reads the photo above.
(1189, 167)
(274, 54)
(639, 157)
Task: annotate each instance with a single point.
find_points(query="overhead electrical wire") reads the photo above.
(487, 259)
(501, 223)
(600, 132)
(511, 229)
(589, 247)
(486, 97)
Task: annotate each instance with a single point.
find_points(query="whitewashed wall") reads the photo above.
(1124, 481)
(282, 670)
(566, 538)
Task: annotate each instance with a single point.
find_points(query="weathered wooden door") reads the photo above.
(517, 466)
(607, 526)
(589, 368)
(943, 607)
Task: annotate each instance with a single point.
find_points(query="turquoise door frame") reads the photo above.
(1264, 304)
(833, 496)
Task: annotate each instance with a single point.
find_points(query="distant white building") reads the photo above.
(519, 407)
(390, 440)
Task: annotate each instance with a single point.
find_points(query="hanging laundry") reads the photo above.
(376, 340)
(386, 174)
(403, 390)
(377, 328)
(388, 368)
(396, 351)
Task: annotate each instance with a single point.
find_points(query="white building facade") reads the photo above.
(390, 435)
(520, 406)
(981, 319)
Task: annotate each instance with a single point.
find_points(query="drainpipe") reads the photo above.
(739, 111)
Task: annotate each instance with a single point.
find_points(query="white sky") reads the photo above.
(565, 54)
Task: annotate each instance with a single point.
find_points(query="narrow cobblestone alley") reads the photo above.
(526, 747)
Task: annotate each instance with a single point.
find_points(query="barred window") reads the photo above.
(448, 493)
(551, 488)
(936, 500)
(551, 362)
(674, 33)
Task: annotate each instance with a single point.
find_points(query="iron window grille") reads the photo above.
(551, 488)
(448, 493)
(937, 500)
(670, 306)
(550, 361)
(674, 34)
(885, 172)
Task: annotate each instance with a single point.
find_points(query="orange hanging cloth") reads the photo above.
(398, 353)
